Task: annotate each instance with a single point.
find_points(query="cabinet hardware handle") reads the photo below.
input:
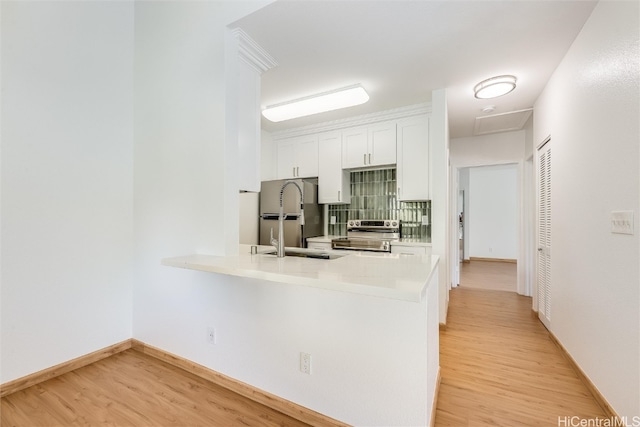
(339, 196)
(365, 158)
(369, 158)
(399, 191)
(298, 171)
(294, 171)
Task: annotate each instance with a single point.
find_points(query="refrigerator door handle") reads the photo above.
(275, 216)
(270, 216)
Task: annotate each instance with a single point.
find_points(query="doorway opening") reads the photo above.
(488, 231)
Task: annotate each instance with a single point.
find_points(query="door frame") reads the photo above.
(524, 268)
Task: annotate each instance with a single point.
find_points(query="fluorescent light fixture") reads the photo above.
(327, 101)
(495, 87)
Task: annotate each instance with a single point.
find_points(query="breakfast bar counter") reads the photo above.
(367, 322)
(396, 276)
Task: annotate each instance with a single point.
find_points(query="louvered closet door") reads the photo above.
(544, 233)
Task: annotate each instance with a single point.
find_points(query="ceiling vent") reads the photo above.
(503, 122)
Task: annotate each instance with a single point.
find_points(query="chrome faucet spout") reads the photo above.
(279, 244)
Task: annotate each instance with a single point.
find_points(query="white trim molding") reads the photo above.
(252, 53)
(365, 119)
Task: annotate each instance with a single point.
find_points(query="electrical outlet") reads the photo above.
(425, 220)
(305, 363)
(622, 222)
(333, 220)
(211, 335)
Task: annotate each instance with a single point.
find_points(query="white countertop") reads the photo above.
(410, 241)
(396, 276)
(322, 239)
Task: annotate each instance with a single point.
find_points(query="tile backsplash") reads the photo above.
(373, 196)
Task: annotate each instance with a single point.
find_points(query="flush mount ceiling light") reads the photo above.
(327, 101)
(495, 87)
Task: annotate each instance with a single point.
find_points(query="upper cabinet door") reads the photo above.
(413, 159)
(382, 144)
(354, 148)
(286, 159)
(297, 157)
(333, 181)
(307, 156)
(366, 146)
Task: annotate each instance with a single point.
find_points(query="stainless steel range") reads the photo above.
(369, 235)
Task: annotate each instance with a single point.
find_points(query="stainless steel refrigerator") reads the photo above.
(295, 235)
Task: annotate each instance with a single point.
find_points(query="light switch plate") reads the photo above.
(425, 220)
(333, 219)
(622, 222)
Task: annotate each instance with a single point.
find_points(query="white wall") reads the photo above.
(529, 149)
(440, 194)
(590, 108)
(183, 179)
(492, 212)
(494, 149)
(528, 200)
(268, 158)
(67, 188)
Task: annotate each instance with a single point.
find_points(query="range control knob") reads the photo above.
(394, 223)
(386, 223)
(357, 223)
(351, 223)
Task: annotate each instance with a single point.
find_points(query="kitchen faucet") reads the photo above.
(279, 244)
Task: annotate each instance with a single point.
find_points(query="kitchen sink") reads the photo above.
(301, 253)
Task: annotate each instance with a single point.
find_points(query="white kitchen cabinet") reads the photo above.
(297, 157)
(307, 156)
(373, 145)
(286, 158)
(333, 181)
(413, 158)
(382, 144)
(354, 147)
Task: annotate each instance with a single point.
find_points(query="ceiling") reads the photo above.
(402, 50)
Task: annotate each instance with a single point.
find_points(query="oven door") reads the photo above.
(356, 244)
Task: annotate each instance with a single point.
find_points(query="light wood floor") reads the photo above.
(497, 276)
(500, 368)
(133, 389)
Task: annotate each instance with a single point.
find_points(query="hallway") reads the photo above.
(500, 368)
(497, 276)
